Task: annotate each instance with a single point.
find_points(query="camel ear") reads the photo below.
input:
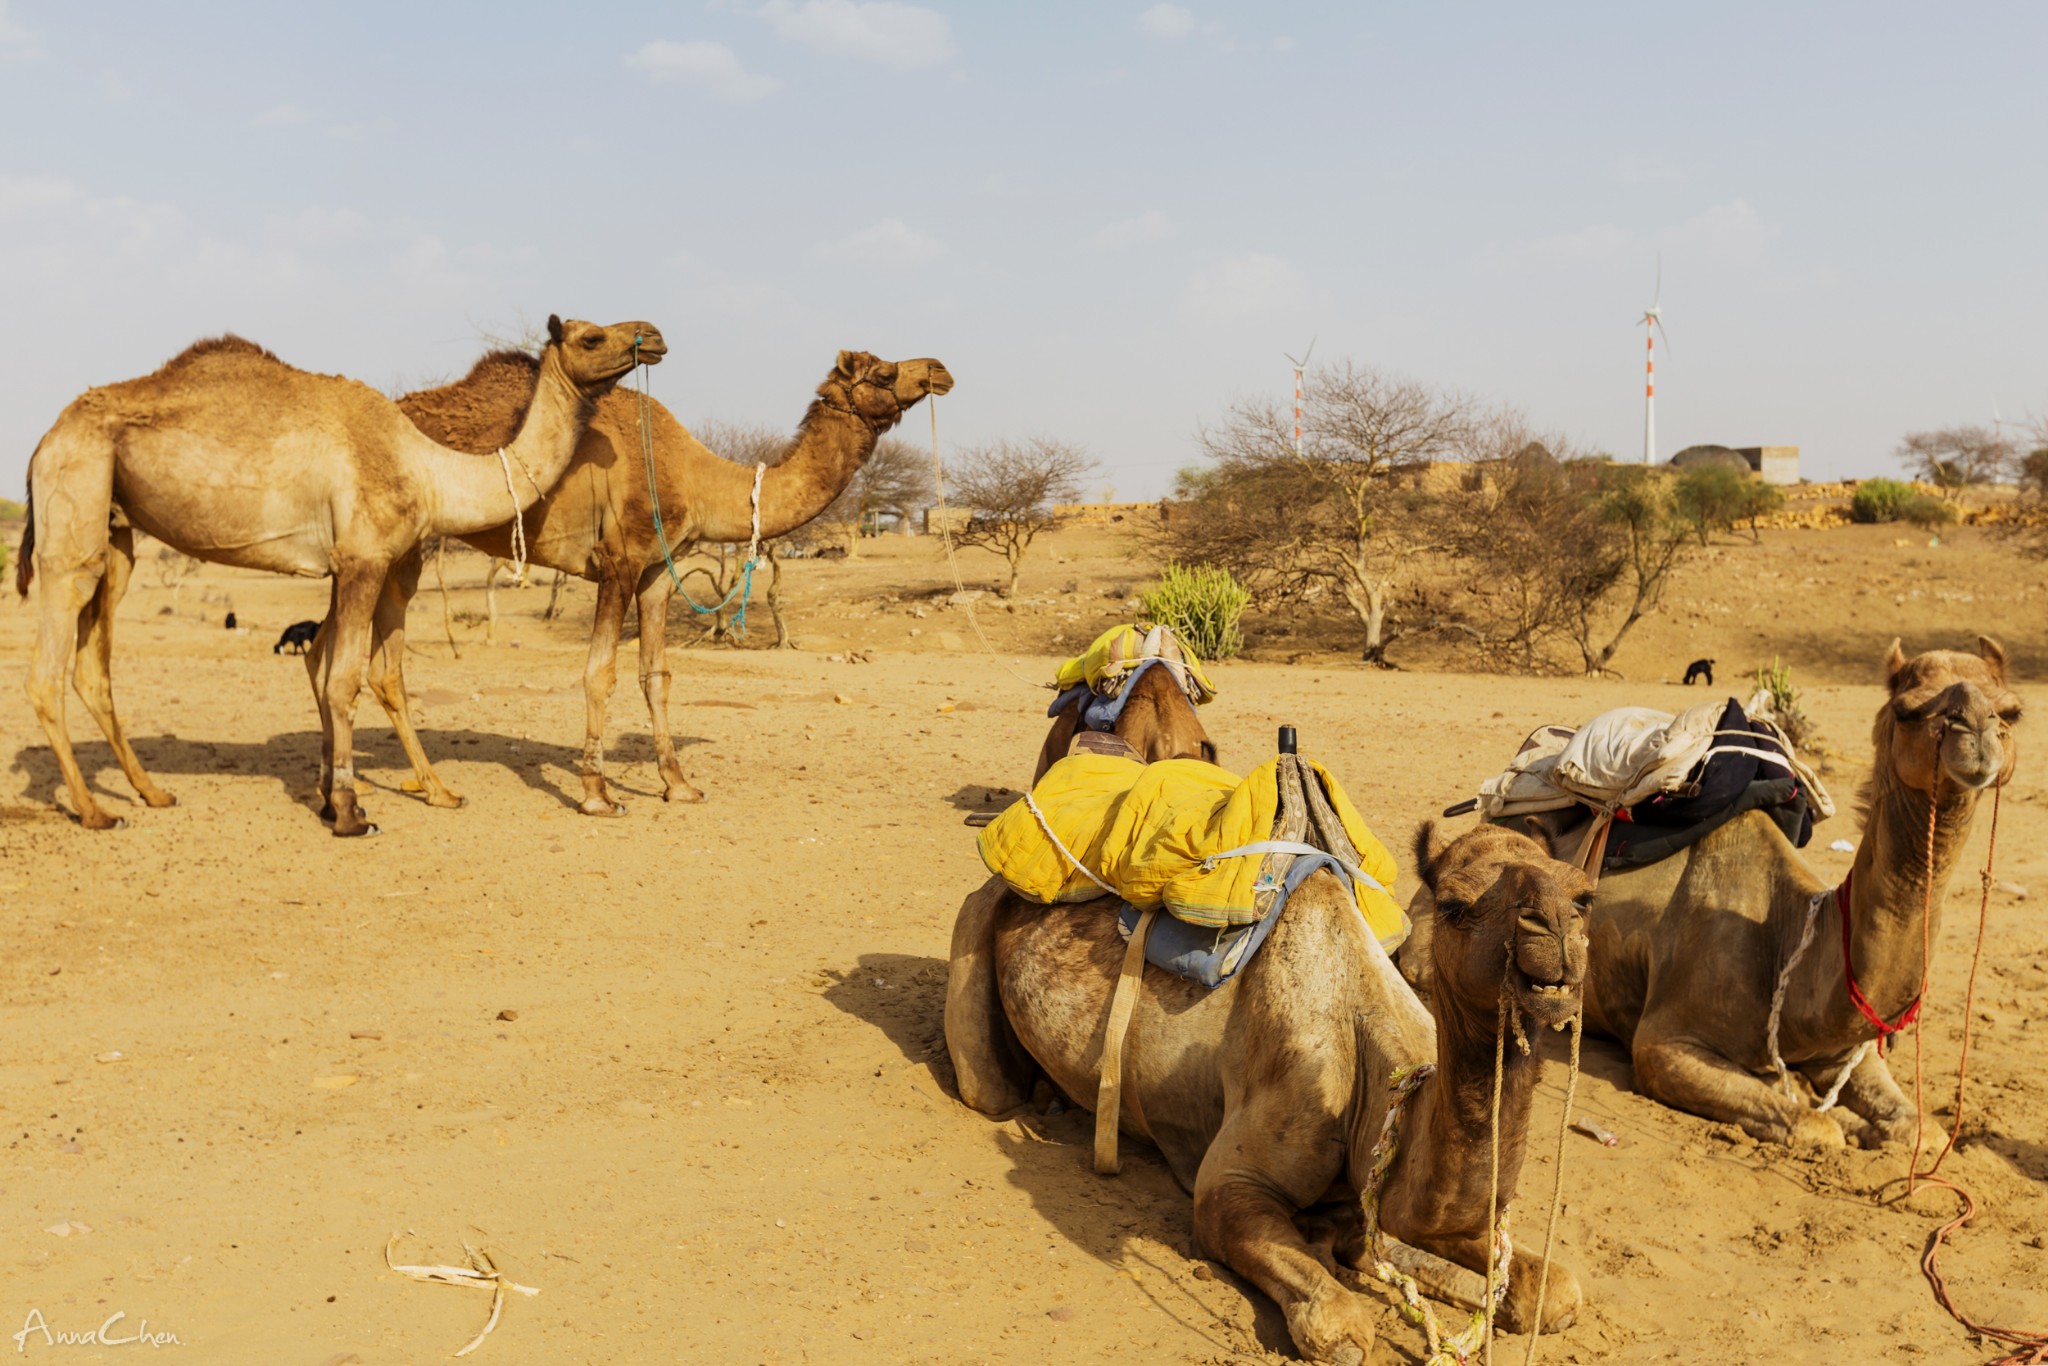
(1993, 654)
(1430, 843)
(1894, 661)
(844, 369)
(555, 328)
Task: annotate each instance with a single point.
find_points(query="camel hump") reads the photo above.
(227, 344)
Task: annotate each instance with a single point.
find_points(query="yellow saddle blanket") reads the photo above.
(1121, 650)
(1150, 832)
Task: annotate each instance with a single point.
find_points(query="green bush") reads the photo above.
(1927, 513)
(1202, 603)
(1710, 498)
(1880, 500)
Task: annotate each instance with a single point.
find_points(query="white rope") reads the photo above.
(1044, 825)
(1778, 1006)
(754, 543)
(505, 462)
(1356, 873)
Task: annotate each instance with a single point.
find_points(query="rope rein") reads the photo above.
(744, 589)
(506, 460)
(2029, 1348)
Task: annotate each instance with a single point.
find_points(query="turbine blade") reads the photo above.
(1666, 335)
(1658, 297)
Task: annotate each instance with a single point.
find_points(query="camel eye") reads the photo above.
(591, 341)
(2010, 715)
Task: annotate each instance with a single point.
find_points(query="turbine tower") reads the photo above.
(1653, 323)
(1299, 366)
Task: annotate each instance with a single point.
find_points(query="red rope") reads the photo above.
(2029, 1348)
(1862, 1002)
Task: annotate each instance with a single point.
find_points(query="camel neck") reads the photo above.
(1442, 1177)
(1892, 880)
(468, 492)
(831, 445)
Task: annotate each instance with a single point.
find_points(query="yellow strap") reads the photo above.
(1109, 1096)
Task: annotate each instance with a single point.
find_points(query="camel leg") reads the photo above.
(1873, 1096)
(62, 595)
(655, 592)
(94, 678)
(356, 589)
(387, 675)
(314, 657)
(990, 1066)
(1686, 1076)
(600, 672)
(1266, 1162)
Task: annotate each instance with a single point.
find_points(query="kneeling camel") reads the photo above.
(1266, 1096)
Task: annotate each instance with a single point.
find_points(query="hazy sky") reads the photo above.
(1109, 220)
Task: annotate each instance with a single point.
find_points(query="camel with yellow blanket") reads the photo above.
(1313, 1076)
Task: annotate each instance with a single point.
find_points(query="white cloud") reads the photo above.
(282, 115)
(1727, 232)
(1148, 227)
(21, 194)
(17, 44)
(885, 31)
(712, 67)
(1244, 286)
(317, 228)
(1596, 243)
(1167, 21)
(890, 242)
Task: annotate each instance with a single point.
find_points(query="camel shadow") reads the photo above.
(1120, 1222)
(291, 759)
(982, 797)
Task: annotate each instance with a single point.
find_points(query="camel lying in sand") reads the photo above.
(1266, 1096)
(1157, 721)
(1688, 953)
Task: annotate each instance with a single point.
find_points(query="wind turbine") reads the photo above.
(1653, 323)
(1299, 367)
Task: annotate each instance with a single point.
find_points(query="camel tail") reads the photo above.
(26, 569)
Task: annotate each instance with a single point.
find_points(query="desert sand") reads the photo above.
(683, 1071)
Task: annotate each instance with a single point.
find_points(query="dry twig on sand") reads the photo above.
(481, 1274)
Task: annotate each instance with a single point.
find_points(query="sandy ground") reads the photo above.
(684, 1073)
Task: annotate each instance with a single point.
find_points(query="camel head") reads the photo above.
(1160, 722)
(880, 391)
(595, 357)
(1502, 903)
(1950, 715)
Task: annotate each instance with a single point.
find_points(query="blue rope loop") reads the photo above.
(744, 589)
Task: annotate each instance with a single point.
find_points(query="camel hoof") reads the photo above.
(363, 831)
(681, 792)
(159, 799)
(599, 806)
(448, 801)
(1815, 1131)
(96, 821)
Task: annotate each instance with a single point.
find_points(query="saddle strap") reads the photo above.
(1593, 848)
(1109, 1094)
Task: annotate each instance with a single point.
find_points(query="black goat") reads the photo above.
(301, 633)
(1700, 668)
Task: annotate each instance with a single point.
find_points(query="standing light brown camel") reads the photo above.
(1158, 722)
(230, 455)
(1266, 1096)
(598, 523)
(1689, 953)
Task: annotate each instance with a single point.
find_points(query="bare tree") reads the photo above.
(1526, 525)
(1010, 489)
(897, 479)
(1951, 458)
(1647, 539)
(1349, 510)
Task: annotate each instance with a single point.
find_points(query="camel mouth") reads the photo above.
(1551, 1005)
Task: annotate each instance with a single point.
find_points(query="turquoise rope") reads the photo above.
(744, 589)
